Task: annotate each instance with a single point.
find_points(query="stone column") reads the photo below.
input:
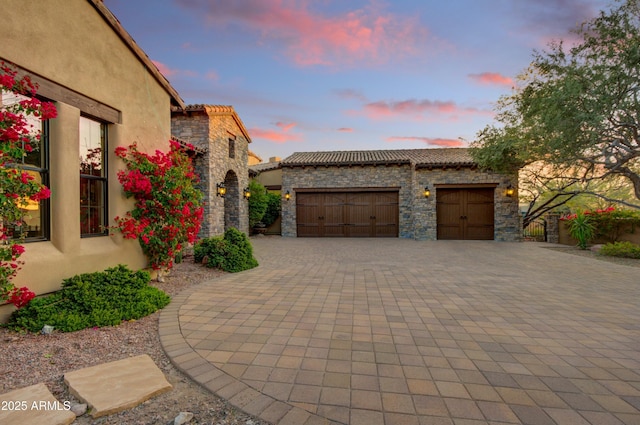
(553, 228)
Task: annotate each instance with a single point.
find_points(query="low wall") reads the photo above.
(625, 235)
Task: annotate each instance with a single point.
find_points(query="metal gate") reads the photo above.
(536, 231)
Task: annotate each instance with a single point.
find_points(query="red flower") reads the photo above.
(20, 296)
(43, 193)
(17, 250)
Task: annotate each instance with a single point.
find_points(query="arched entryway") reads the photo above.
(231, 201)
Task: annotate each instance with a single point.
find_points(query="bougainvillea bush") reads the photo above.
(17, 187)
(607, 224)
(168, 207)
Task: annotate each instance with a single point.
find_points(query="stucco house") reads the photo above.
(424, 194)
(108, 93)
(220, 134)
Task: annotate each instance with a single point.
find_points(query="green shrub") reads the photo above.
(621, 249)
(92, 299)
(232, 252)
(581, 229)
(273, 209)
(257, 203)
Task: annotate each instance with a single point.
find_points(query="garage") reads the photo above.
(465, 213)
(347, 213)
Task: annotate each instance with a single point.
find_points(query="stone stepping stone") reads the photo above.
(34, 405)
(112, 387)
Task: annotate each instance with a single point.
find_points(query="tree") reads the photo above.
(577, 110)
(257, 203)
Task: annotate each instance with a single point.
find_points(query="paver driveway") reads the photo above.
(393, 331)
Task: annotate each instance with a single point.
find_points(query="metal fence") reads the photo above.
(535, 231)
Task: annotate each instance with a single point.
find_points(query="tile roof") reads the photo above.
(265, 166)
(420, 158)
(189, 147)
(212, 110)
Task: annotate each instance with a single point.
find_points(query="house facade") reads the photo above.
(219, 133)
(424, 194)
(108, 94)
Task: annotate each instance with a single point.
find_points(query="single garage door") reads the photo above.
(465, 213)
(347, 214)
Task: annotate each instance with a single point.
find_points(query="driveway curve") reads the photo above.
(394, 331)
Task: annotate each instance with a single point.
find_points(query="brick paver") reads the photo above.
(394, 331)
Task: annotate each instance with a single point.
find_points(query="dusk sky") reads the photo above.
(349, 75)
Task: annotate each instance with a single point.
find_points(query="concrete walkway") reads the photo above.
(392, 331)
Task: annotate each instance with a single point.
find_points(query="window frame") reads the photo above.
(103, 178)
(232, 147)
(45, 171)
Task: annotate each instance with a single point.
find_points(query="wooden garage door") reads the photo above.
(347, 214)
(465, 213)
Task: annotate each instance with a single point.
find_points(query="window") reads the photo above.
(93, 178)
(35, 224)
(232, 147)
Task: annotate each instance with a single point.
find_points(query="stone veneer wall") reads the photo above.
(211, 130)
(194, 128)
(417, 214)
(507, 220)
(340, 177)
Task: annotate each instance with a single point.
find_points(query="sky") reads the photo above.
(323, 75)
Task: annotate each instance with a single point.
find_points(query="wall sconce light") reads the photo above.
(426, 192)
(287, 196)
(510, 191)
(221, 190)
(246, 193)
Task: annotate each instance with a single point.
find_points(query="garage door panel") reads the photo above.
(386, 214)
(465, 214)
(348, 214)
(308, 213)
(359, 215)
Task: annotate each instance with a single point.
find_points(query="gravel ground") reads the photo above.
(28, 359)
(574, 250)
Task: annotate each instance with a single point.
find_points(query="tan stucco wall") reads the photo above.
(68, 42)
(628, 233)
(270, 177)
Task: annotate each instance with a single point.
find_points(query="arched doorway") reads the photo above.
(231, 201)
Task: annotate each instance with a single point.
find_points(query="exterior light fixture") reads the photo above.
(221, 190)
(247, 193)
(287, 195)
(426, 192)
(510, 191)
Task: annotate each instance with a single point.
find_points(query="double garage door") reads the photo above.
(461, 213)
(347, 214)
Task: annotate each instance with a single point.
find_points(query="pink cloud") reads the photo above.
(164, 69)
(212, 75)
(492, 78)
(417, 109)
(443, 143)
(285, 126)
(277, 136)
(364, 36)
(172, 72)
(346, 129)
